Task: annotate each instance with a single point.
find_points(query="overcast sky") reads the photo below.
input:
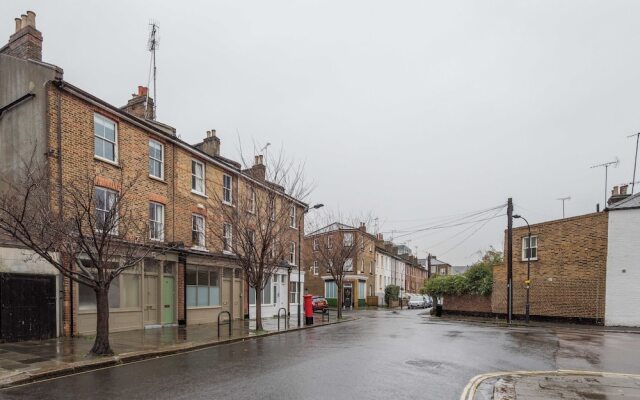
(410, 110)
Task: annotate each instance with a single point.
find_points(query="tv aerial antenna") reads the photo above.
(563, 199)
(153, 44)
(606, 166)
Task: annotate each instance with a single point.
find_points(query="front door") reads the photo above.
(151, 300)
(237, 290)
(348, 295)
(167, 300)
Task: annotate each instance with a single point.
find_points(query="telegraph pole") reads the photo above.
(510, 260)
(635, 163)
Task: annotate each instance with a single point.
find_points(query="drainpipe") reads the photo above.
(59, 85)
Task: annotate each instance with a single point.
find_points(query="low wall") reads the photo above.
(470, 304)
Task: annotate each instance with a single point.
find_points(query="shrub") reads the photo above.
(391, 292)
(476, 280)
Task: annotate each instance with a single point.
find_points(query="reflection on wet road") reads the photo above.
(383, 355)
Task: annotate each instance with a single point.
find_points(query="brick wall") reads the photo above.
(468, 304)
(568, 278)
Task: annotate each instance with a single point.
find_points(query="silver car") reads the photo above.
(417, 302)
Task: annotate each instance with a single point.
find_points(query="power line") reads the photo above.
(472, 233)
(446, 222)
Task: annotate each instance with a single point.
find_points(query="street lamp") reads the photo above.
(300, 228)
(528, 281)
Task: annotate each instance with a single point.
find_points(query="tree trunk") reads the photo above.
(340, 300)
(101, 346)
(259, 309)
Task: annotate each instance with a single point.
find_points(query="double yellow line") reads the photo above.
(469, 391)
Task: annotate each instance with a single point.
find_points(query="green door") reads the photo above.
(167, 300)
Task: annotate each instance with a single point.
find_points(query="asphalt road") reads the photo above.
(384, 355)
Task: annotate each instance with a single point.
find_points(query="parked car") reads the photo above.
(429, 302)
(418, 302)
(319, 303)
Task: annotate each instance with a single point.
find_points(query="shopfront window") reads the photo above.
(266, 294)
(203, 286)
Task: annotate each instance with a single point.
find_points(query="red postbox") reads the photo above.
(308, 309)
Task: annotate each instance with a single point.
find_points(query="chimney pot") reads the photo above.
(31, 18)
(18, 24)
(615, 191)
(23, 21)
(142, 90)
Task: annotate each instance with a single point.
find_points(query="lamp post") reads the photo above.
(528, 281)
(401, 289)
(300, 228)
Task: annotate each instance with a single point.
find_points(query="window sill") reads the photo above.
(202, 307)
(226, 203)
(531, 259)
(199, 248)
(228, 253)
(106, 160)
(199, 194)
(156, 240)
(155, 178)
(111, 310)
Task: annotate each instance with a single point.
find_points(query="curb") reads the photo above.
(469, 391)
(24, 378)
(537, 325)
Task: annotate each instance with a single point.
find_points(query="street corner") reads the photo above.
(552, 385)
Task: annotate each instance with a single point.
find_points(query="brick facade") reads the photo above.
(568, 277)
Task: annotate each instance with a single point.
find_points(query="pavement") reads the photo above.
(27, 361)
(540, 385)
(378, 355)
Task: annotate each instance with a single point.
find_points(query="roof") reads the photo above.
(336, 226)
(460, 269)
(628, 203)
(434, 262)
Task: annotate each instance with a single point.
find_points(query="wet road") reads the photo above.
(381, 356)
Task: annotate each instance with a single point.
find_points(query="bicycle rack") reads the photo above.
(286, 320)
(326, 312)
(227, 323)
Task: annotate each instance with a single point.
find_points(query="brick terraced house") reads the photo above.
(359, 270)
(182, 190)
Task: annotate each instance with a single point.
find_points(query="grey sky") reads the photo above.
(412, 110)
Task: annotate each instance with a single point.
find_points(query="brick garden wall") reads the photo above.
(568, 278)
(468, 304)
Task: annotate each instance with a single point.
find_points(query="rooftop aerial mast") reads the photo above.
(152, 45)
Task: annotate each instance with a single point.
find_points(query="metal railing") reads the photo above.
(286, 320)
(228, 322)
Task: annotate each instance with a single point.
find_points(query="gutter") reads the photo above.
(16, 102)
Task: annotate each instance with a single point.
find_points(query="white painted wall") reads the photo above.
(622, 305)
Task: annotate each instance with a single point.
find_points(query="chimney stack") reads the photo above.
(363, 227)
(259, 170)
(136, 105)
(211, 144)
(26, 41)
(618, 193)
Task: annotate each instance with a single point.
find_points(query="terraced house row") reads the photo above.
(183, 191)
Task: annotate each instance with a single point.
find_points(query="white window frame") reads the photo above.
(292, 216)
(152, 223)
(329, 242)
(292, 253)
(315, 245)
(252, 201)
(194, 183)
(227, 192)
(114, 231)
(161, 160)
(316, 269)
(345, 242)
(272, 209)
(348, 262)
(97, 116)
(362, 266)
(227, 236)
(194, 218)
(534, 238)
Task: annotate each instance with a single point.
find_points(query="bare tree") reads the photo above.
(337, 247)
(259, 220)
(88, 233)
